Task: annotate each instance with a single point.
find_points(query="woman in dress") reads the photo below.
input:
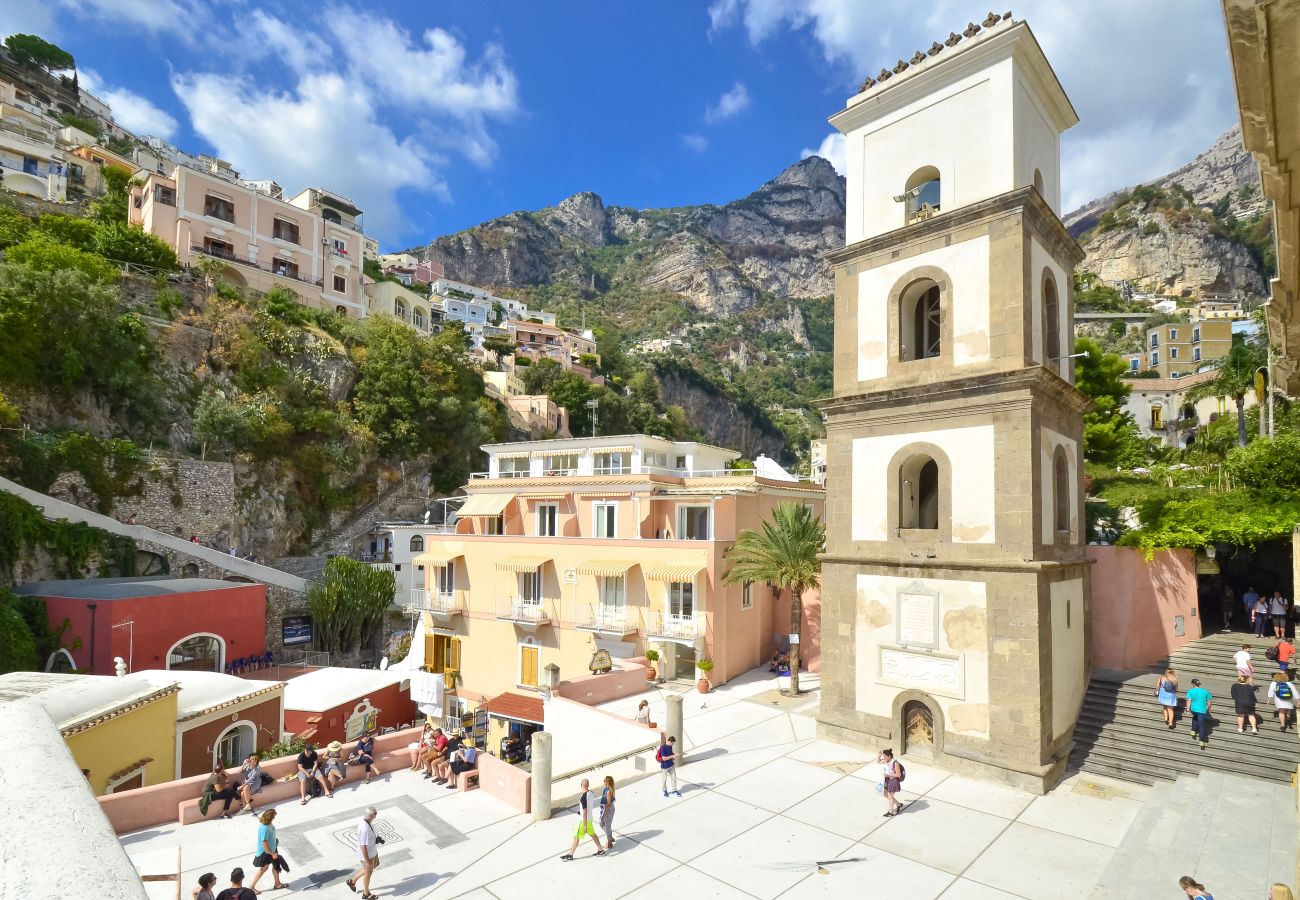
(607, 811)
(1243, 698)
(419, 747)
(891, 773)
(1167, 694)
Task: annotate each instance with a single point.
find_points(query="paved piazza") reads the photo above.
(767, 811)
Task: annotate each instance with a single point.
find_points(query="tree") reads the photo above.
(112, 207)
(348, 602)
(499, 344)
(1110, 436)
(43, 253)
(125, 243)
(1234, 376)
(1268, 468)
(18, 651)
(283, 304)
(34, 51)
(783, 552)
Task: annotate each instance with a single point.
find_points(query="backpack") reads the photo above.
(1271, 654)
(659, 754)
(314, 787)
(1284, 691)
(902, 772)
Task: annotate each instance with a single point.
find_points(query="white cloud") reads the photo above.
(696, 142)
(186, 19)
(134, 113)
(731, 103)
(1146, 104)
(831, 150)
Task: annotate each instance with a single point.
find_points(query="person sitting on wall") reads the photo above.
(332, 765)
(465, 760)
(442, 766)
(364, 755)
(436, 752)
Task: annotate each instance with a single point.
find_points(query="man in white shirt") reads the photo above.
(368, 850)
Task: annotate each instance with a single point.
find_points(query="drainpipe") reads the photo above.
(91, 607)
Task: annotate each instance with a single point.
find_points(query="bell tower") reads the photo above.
(955, 584)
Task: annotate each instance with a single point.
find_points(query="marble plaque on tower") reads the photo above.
(918, 618)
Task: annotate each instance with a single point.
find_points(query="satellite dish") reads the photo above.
(426, 517)
(383, 663)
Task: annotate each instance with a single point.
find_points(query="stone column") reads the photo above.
(541, 774)
(673, 727)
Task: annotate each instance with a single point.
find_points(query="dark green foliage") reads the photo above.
(1110, 437)
(90, 126)
(1091, 294)
(125, 243)
(17, 643)
(71, 230)
(71, 547)
(45, 254)
(283, 304)
(112, 207)
(1268, 468)
(498, 344)
(1151, 228)
(35, 52)
(14, 226)
(112, 468)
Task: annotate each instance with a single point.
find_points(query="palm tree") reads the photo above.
(783, 553)
(1234, 376)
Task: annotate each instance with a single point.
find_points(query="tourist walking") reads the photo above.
(1282, 693)
(585, 825)
(268, 852)
(309, 767)
(368, 852)
(1244, 666)
(1259, 617)
(1248, 601)
(892, 774)
(667, 759)
(1167, 694)
(1282, 653)
(1198, 704)
(1192, 888)
(251, 786)
(237, 891)
(207, 882)
(1277, 609)
(607, 811)
(1243, 700)
(364, 755)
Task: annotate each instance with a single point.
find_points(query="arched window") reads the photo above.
(1038, 183)
(235, 745)
(920, 321)
(197, 653)
(417, 317)
(417, 543)
(921, 195)
(399, 309)
(918, 493)
(1061, 490)
(1052, 323)
(60, 661)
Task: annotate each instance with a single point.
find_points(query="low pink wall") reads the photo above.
(507, 783)
(615, 685)
(1134, 604)
(177, 801)
(810, 633)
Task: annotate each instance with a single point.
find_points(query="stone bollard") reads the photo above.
(541, 775)
(673, 725)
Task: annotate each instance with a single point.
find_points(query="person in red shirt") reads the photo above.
(437, 752)
(1285, 653)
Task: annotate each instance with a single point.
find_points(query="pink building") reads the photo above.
(310, 243)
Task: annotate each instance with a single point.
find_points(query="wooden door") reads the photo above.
(528, 666)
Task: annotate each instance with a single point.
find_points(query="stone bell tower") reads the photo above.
(955, 585)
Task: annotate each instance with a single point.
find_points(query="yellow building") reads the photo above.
(566, 547)
(1175, 349)
(121, 731)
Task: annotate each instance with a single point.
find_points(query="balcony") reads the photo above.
(675, 627)
(245, 261)
(527, 614)
(442, 606)
(611, 621)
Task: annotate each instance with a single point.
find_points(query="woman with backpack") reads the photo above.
(1167, 694)
(893, 773)
(1282, 693)
(1193, 888)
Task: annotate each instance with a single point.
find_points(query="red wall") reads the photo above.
(237, 614)
(1134, 603)
(197, 743)
(395, 708)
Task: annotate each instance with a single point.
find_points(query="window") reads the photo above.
(747, 595)
(1196, 335)
(235, 744)
(417, 315)
(530, 587)
(284, 230)
(285, 268)
(446, 579)
(921, 195)
(693, 523)
(197, 653)
(1157, 418)
(918, 493)
(560, 464)
(164, 195)
(1196, 354)
(606, 520)
(1061, 490)
(128, 782)
(612, 591)
(219, 208)
(1155, 340)
(399, 309)
(31, 165)
(619, 463)
(681, 599)
(1175, 374)
(1155, 359)
(1051, 324)
(341, 286)
(513, 467)
(1173, 352)
(681, 462)
(920, 322)
(338, 247)
(1173, 334)
(546, 519)
(417, 543)
(442, 652)
(1134, 364)
(218, 248)
(330, 215)
(494, 525)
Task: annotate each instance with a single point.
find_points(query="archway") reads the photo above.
(922, 193)
(202, 652)
(918, 729)
(1061, 490)
(149, 563)
(235, 744)
(920, 321)
(60, 661)
(190, 570)
(918, 493)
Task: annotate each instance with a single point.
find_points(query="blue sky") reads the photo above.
(436, 116)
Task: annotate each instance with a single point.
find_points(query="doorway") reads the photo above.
(918, 729)
(681, 663)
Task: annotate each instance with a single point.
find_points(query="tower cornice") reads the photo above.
(1032, 381)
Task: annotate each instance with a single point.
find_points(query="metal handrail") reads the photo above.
(251, 263)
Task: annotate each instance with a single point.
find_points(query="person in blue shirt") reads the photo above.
(668, 765)
(465, 760)
(268, 852)
(1198, 704)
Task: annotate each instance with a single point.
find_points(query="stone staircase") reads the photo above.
(1235, 835)
(1121, 732)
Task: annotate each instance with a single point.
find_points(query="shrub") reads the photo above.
(1268, 468)
(126, 243)
(71, 230)
(43, 253)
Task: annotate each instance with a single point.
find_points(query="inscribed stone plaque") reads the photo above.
(918, 618)
(937, 674)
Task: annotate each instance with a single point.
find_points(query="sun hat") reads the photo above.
(334, 747)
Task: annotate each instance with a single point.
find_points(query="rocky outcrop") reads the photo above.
(722, 418)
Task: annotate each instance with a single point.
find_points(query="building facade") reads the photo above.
(310, 243)
(955, 584)
(566, 547)
(1162, 409)
(1175, 349)
(31, 160)
(404, 304)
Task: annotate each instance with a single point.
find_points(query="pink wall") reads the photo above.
(593, 689)
(1134, 604)
(507, 783)
(810, 634)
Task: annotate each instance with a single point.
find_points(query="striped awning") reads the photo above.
(485, 505)
(544, 495)
(606, 568)
(522, 563)
(611, 449)
(598, 494)
(436, 557)
(519, 455)
(686, 570)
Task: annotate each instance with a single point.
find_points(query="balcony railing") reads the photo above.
(245, 261)
(522, 611)
(604, 619)
(671, 625)
(436, 602)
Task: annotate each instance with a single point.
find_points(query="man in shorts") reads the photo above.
(436, 751)
(1277, 608)
(585, 824)
(368, 851)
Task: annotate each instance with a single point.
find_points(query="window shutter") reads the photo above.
(455, 654)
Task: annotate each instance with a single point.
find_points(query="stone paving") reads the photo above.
(767, 810)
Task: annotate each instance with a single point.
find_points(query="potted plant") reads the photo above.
(705, 666)
(653, 657)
